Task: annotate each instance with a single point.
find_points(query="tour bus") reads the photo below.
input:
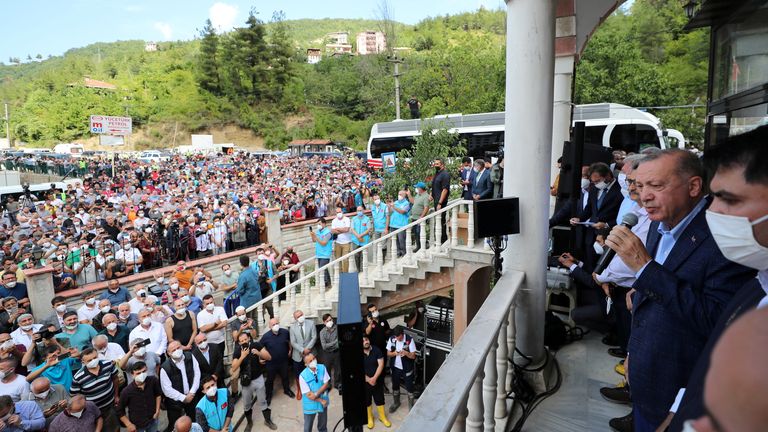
(72, 149)
(611, 125)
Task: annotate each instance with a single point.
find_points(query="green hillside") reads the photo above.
(255, 79)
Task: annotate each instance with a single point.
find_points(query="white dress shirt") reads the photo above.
(158, 341)
(113, 352)
(20, 337)
(85, 313)
(170, 392)
(136, 305)
(218, 315)
(617, 272)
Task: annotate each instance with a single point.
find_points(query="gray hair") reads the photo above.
(99, 337)
(24, 316)
(687, 163)
(634, 160)
(72, 399)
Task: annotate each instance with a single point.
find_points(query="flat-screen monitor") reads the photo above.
(497, 217)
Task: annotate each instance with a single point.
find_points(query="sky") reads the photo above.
(51, 27)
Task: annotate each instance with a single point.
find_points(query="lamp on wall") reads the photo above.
(690, 8)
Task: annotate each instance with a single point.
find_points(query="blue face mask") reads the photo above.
(359, 213)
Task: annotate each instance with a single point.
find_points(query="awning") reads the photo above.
(715, 12)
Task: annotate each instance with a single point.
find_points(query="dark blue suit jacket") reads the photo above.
(483, 186)
(692, 405)
(467, 175)
(676, 307)
(607, 212)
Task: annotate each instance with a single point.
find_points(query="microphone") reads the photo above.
(629, 220)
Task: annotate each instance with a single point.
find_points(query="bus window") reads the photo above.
(633, 137)
(386, 145)
(480, 143)
(594, 135)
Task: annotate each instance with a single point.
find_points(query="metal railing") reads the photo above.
(469, 391)
(376, 262)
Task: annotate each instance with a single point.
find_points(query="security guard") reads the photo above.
(402, 351)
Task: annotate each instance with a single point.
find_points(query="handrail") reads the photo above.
(331, 264)
(296, 266)
(445, 398)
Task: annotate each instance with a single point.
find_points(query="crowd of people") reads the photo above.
(672, 298)
(153, 214)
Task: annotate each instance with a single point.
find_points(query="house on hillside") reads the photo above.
(314, 55)
(150, 47)
(300, 147)
(371, 42)
(94, 84)
(338, 37)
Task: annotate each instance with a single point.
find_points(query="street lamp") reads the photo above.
(690, 8)
(37, 255)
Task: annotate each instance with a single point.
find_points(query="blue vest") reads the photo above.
(314, 383)
(256, 266)
(361, 224)
(379, 213)
(327, 250)
(399, 220)
(215, 412)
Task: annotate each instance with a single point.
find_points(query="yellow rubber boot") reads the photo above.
(370, 416)
(382, 416)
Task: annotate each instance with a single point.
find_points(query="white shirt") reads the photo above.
(113, 352)
(218, 315)
(136, 305)
(617, 272)
(22, 338)
(158, 341)
(17, 389)
(305, 387)
(84, 313)
(344, 222)
(88, 275)
(202, 290)
(129, 256)
(399, 347)
(170, 392)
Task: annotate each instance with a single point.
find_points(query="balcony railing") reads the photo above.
(469, 391)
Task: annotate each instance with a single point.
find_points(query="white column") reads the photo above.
(380, 258)
(511, 329)
(409, 246)
(276, 306)
(528, 107)
(460, 424)
(259, 318)
(489, 391)
(475, 405)
(423, 238)
(561, 111)
(306, 290)
(439, 232)
(471, 226)
(364, 278)
(352, 264)
(393, 253)
(500, 412)
(335, 281)
(455, 226)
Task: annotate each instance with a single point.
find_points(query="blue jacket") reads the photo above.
(215, 412)
(248, 287)
(674, 312)
(314, 381)
(467, 174)
(483, 186)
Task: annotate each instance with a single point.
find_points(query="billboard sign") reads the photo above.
(111, 125)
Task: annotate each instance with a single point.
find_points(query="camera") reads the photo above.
(143, 343)
(494, 154)
(47, 334)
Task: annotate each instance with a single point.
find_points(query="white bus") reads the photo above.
(611, 125)
(72, 149)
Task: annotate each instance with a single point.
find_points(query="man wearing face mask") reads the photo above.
(10, 313)
(277, 341)
(208, 358)
(602, 207)
(80, 415)
(247, 363)
(400, 210)
(214, 412)
(114, 332)
(323, 240)
(139, 406)
(106, 350)
(314, 383)
(89, 309)
(131, 256)
(105, 308)
(441, 184)
(140, 354)
(738, 219)
(11, 383)
(20, 416)
(79, 335)
(376, 329)
(329, 339)
(151, 330)
(303, 338)
(56, 318)
(340, 227)
(97, 381)
(212, 321)
(12, 288)
(169, 296)
(228, 278)
(184, 275)
(182, 326)
(24, 334)
(180, 381)
(160, 286)
(115, 293)
(125, 317)
(137, 303)
(401, 350)
(50, 398)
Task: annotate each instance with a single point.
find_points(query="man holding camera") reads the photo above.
(247, 362)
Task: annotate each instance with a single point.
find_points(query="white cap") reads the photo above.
(240, 309)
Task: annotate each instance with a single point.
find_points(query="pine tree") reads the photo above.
(251, 58)
(280, 52)
(208, 68)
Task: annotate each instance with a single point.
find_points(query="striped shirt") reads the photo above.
(98, 389)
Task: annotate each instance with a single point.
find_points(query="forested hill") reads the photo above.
(255, 79)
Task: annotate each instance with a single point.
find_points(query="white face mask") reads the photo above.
(210, 307)
(181, 311)
(598, 249)
(329, 323)
(140, 352)
(227, 272)
(622, 179)
(146, 321)
(7, 344)
(92, 364)
(242, 318)
(339, 215)
(276, 328)
(203, 345)
(174, 286)
(313, 364)
(11, 284)
(262, 257)
(177, 354)
(112, 326)
(42, 395)
(160, 280)
(26, 327)
(688, 426)
(140, 378)
(61, 308)
(105, 309)
(601, 185)
(71, 327)
(375, 314)
(76, 414)
(90, 301)
(185, 298)
(211, 392)
(736, 239)
(377, 201)
(300, 319)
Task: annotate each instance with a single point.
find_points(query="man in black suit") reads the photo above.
(738, 219)
(209, 360)
(602, 207)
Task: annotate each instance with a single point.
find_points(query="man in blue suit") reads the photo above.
(683, 283)
(482, 188)
(466, 178)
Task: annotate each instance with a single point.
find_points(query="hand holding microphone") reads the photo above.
(629, 220)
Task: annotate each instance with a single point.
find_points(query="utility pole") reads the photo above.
(7, 126)
(397, 63)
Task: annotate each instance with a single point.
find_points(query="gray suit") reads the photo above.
(299, 343)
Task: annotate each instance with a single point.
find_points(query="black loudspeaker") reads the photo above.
(351, 352)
